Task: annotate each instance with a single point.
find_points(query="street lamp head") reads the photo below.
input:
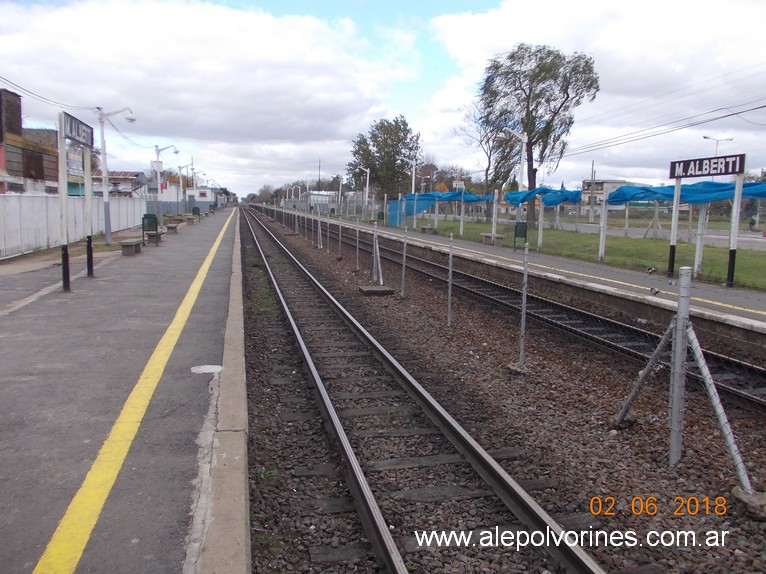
(717, 139)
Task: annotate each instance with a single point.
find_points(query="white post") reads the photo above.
(88, 193)
(701, 228)
(105, 183)
(494, 215)
(540, 214)
(63, 184)
(367, 186)
(404, 260)
(627, 219)
(157, 168)
(415, 211)
(523, 325)
(449, 283)
(602, 227)
(734, 229)
(674, 227)
(436, 214)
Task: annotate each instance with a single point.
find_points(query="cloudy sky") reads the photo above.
(263, 92)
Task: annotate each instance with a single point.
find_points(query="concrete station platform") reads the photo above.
(123, 418)
(727, 303)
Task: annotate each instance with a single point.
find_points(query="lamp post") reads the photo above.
(157, 167)
(194, 181)
(716, 143)
(702, 218)
(181, 185)
(414, 163)
(366, 190)
(102, 116)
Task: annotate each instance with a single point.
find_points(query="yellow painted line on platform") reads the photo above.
(68, 542)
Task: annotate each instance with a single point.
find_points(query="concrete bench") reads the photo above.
(172, 227)
(492, 238)
(427, 229)
(131, 246)
(156, 235)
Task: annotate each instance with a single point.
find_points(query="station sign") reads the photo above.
(77, 130)
(708, 166)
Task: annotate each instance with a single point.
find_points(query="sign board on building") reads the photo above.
(708, 166)
(77, 130)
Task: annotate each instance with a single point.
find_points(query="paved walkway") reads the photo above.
(122, 410)
(732, 301)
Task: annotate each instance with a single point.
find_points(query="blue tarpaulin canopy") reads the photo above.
(550, 196)
(425, 201)
(695, 193)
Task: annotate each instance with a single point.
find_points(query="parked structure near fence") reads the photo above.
(32, 222)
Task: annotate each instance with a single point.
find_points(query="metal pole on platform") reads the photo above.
(523, 325)
(63, 195)
(88, 213)
(404, 260)
(357, 245)
(449, 284)
(678, 366)
(723, 420)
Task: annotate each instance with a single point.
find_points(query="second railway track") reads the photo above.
(738, 372)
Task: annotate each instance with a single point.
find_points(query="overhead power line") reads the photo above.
(43, 99)
(656, 131)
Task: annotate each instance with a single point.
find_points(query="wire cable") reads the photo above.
(43, 98)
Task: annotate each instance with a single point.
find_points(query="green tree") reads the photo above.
(387, 151)
(534, 90)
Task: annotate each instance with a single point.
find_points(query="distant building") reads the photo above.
(121, 183)
(28, 161)
(600, 187)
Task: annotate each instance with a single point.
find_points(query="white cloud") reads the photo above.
(223, 84)
(261, 99)
(658, 62)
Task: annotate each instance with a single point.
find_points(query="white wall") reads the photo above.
(32, 222)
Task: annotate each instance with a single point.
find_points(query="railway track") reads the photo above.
(738, 379)
(407, 460)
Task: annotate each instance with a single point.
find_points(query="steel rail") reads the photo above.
(573, 558)
(367, 507)
(611, 326)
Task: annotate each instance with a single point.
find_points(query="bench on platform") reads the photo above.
(131, 246)
(172, 227)
(427, 229)
(492, 238)
(156, 235)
